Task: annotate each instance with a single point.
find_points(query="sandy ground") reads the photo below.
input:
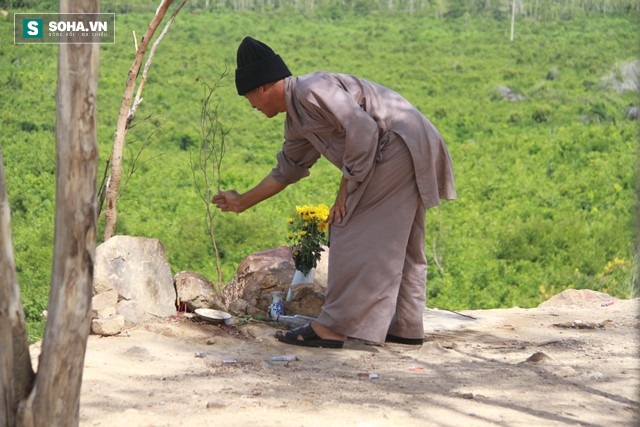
(571, 361)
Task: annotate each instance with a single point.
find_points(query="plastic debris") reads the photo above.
(285, 358)
(370, 375)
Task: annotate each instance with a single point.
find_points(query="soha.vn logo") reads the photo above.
(77, 26)
(64, 28)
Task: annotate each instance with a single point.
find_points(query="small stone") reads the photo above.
(104, 304)
(137, 351)
(596, 376)
(216, 404)
(566, 371)
(111, 325)
(537, 357)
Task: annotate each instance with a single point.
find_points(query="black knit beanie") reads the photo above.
(258, 64)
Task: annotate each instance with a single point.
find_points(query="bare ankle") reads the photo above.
(326, 333)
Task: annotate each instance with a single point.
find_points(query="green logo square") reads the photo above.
(32, 28)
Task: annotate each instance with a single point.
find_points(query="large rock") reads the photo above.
(262, 273)
(623, 77)
(505, 92)
(196, 291)
(137, 269)
(306, 301)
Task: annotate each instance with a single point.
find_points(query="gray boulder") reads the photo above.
(505, 92)
(623, 77)
(137, 269)
(196, 291)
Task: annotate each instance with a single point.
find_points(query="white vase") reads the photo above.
(299, 278)
(276, 309)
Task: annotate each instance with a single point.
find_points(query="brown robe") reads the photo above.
(396, 165)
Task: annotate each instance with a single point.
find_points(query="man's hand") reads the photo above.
(339, 208)
(232, 201)
(228, 201)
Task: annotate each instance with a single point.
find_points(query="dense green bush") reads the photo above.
(545, 184)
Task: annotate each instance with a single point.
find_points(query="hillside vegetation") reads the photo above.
(545, 184)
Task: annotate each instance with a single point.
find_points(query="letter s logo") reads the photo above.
(32, 28)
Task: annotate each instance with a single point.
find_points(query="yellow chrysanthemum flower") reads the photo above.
(307, 233)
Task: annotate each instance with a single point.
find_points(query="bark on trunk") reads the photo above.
(16, 372)
(55, 397)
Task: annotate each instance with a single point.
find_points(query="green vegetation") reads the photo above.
(545, 185)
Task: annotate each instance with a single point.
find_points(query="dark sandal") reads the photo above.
(306, 336)
(400, 340)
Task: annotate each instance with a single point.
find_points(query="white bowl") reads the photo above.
(211, 315)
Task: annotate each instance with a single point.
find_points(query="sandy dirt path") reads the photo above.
(572, 361)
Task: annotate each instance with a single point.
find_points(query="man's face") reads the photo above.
(259, 99)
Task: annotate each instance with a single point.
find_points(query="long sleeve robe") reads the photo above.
(343, 118)
(396, 165)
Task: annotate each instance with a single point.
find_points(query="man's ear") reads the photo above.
(265, 87)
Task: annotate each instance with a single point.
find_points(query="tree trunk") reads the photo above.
(513, 20)
(16, 373)
(635, 281)
(55, 397)
(124, 121)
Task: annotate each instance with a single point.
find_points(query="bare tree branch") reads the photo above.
(152, 55)
(209, 161)
(126, 116)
